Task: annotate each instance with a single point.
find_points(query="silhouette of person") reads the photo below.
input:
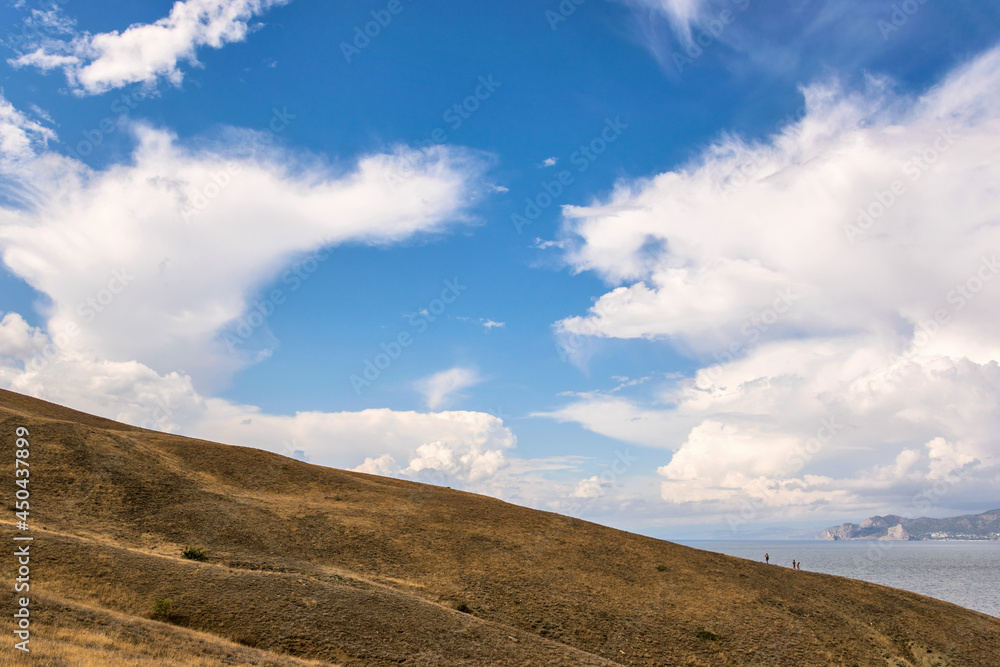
(793, 563)
(767, 558)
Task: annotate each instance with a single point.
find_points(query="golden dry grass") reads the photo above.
(354, 569)
(76, 635)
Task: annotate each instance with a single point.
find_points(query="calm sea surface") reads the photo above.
(965, 573)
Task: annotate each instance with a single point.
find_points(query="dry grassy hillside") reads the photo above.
(314, 564)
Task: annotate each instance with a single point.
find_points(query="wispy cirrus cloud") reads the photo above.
(681, 13)
(21, 138)
(439, 388)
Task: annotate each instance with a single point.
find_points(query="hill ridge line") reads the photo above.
(377, 572)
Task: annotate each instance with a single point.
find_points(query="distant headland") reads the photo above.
(985, 526)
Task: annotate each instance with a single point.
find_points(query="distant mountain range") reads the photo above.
(985, 526)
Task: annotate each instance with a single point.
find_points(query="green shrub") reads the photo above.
(195, 553)
(161, 609)
(708, 636)
(661, 568)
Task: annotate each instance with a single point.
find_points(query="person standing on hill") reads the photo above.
(767, 558)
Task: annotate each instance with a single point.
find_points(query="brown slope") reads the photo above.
(78, 635)
(537, 584)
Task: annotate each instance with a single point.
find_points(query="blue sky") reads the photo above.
(596, 203)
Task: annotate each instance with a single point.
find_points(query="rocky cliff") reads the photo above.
(985, 526)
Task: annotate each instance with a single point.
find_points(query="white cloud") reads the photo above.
(18, 340)
(682, 13)
(758, 260)
(384, 465)
(707, 249)
(20, 137)
(466, 447)
(620, 418)
(542, 244)
(470, 450)
(549, 162)
(144, 53)
(142, 276)
(591, 487)
(439, 388)
(491, 324)
(140, 256)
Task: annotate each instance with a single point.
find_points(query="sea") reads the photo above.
(963, 573)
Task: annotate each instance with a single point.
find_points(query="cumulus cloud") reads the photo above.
(143, 279)
(145, 53)
(465, 447)
(439, 388)
(840, 270)
(19, 340)
(471, 450)
(592, 487)
(140, 256)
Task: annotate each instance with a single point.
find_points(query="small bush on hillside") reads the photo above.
(708, 636)
(161, 609)
(464, 608)
(661, 568)
(195, 553)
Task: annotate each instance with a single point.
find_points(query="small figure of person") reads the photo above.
(767, 558)
(798, 565)
(793, 563)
